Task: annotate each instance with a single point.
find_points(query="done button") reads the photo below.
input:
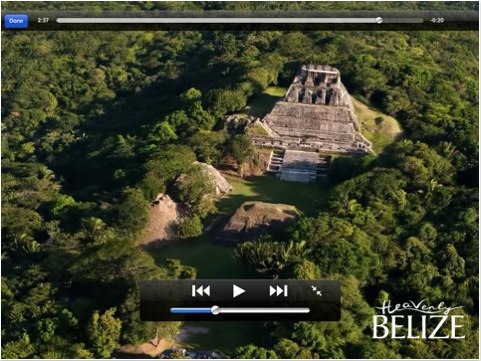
(16, 21)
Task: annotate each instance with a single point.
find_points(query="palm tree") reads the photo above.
(270, 257)
(95, 230)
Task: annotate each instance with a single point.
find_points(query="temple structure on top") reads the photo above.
(315, 115)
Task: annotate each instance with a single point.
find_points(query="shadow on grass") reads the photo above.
(210, 260)
(262, 104)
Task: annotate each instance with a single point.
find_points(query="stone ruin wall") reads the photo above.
(317, 84)
(316, 113)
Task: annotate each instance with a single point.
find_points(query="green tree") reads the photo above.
(226, 101)
(164, 166)
(288, 349)
(269, 257)
(200, 118)
(191, 95)
(132, 212)
(345, 167)
(254, 352)
(162, 133)
(196, 190)
(242, 150)
(189, 227)
(95, 230)
(179, 121)
(21, 348)
(208, 146)
(305, 270)
(103, 332)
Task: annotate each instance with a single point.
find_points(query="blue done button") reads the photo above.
(17, 21)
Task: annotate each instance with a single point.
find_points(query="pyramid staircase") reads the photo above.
(297, 165)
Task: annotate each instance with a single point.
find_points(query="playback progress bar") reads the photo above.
(252, 20)
(216, 310)
(237, 20)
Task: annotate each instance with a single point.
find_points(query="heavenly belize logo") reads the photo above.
(402, 317)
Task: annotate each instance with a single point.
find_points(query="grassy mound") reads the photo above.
(254, 218)
(379, 128)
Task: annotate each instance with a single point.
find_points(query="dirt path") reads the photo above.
(147, 350)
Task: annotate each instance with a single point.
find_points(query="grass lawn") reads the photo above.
(211, 261)
(379, 128)
(200, 252)
(256, 130)
(261, 104)
(306, 197)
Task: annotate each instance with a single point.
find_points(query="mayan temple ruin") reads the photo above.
(313, 121)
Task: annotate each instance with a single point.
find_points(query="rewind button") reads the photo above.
(201, 290)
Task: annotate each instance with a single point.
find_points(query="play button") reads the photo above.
(236, 291)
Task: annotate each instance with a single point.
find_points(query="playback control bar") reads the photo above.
(240, 299)
(255, 20)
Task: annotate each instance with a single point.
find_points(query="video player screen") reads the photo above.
(250, 180)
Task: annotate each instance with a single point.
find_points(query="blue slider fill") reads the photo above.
(190, 310)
